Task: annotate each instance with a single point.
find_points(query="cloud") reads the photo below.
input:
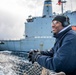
(11, 27)
(13, 14)
(32, 6)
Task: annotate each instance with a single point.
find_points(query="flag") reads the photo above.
(59, 2)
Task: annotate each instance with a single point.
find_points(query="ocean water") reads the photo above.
(16, 63)
(12, 62)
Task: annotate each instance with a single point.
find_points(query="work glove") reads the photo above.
(33, 55)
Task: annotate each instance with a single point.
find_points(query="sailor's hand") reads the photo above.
(33, 55)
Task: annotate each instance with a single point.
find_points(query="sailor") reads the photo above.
(62, 57)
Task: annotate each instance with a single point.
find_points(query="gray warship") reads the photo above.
(38, 31)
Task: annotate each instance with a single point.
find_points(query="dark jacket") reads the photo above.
(62, 57)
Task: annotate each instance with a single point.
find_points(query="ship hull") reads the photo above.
(27, 44)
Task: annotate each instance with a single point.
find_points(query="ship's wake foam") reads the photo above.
(11, 64)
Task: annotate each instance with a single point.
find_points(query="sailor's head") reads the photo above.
(59, 22)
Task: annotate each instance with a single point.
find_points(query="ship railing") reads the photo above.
(36, 69)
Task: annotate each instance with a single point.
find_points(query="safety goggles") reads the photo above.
(55, 22)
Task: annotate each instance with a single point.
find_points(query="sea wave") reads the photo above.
(16, 63)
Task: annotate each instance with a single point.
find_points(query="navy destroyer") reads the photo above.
(38, 31)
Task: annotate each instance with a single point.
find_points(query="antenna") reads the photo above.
(62, 6)
(71, 5)
(61, 2)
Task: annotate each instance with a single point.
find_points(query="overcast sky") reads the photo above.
(13, 14)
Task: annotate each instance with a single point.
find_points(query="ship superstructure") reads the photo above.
(38, 31)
